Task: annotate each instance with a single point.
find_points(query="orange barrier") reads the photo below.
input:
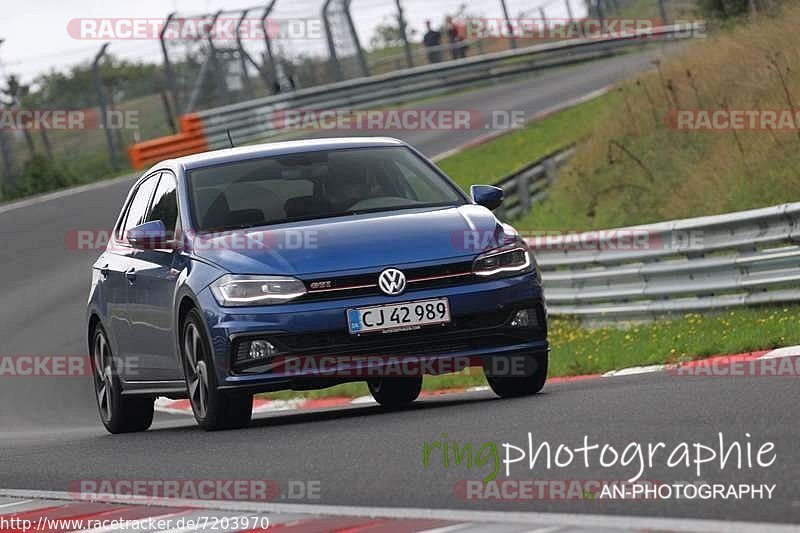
(190, 140)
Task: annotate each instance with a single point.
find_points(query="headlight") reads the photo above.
(511, 258)
(237, 291)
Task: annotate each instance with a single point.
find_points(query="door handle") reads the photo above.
(130, 275)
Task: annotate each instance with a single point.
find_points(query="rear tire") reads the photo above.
(395, 392)
(213, 409)
(119, 414)
(516, 386)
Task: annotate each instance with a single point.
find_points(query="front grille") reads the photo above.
(420, 278)
(475, 332)
(463, 333)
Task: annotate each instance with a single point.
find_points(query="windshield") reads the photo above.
(314, 185)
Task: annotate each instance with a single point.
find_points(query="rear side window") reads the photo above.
(165, 202)
(138, 207)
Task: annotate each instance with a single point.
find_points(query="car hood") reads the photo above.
(365, 241)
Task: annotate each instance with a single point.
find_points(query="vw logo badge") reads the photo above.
(392, 281)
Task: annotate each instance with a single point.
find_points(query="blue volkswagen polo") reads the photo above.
(301, 265)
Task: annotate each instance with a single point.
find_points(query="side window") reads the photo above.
(165, 202)
(138, 207)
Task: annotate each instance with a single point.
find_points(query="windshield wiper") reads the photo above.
(321, 216)
(398, 208)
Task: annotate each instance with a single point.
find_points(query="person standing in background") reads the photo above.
(456, 35)
(432, 41)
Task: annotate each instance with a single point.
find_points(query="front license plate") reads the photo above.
(398, 317)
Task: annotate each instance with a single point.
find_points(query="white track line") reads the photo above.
(14, 504)
(49, 197)
(634, 370)
(448, 529)
(788, 351)
(550, 519)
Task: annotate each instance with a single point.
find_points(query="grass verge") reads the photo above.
(499, 157)
(577, 350)
(636, 167)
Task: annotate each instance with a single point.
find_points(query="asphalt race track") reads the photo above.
(362, 455)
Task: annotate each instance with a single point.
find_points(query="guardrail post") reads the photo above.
(274, 83)
(662, 9)
(334, 60)
(550, 171)
(8, 162)
(103, 101)
(224, 94)
(523, 191)
(362, 59)
(512, 40)
(401, 20)
(168, 72)
(248, 86)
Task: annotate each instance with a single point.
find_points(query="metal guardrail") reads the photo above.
(736, 259)
(535, 179)
(253, 120)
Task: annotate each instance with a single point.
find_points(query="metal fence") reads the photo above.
(530, 184)
(256, 119)
(159, 79)
(736, 259)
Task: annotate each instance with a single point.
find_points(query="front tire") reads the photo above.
(515, 386)
(395, 392)
(213, 409)
(119, 414)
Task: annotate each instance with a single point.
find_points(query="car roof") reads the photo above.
(230, 155)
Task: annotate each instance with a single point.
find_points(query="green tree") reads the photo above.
(388, 34)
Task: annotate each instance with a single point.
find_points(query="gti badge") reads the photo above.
(392, 281)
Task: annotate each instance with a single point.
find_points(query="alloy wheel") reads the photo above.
(197, 370)
(103, 376)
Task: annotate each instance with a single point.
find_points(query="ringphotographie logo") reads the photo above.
(695, 458)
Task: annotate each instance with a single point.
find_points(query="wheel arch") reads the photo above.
(185, 302)
(94, 321)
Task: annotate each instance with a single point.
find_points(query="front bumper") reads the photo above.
(480, 312)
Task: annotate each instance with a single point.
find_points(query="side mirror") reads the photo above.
(488, 196)
(149, 236)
